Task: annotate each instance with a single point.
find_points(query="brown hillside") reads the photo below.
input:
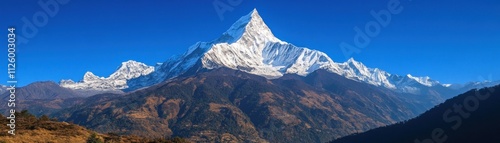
(30, 129)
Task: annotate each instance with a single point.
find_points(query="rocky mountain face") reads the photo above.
(226, 104)
(42, 90)
(41, 97)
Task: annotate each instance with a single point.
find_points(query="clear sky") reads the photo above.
(453, 41)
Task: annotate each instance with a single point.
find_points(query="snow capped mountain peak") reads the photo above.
(355, 70)
(89, 76)
(131, 63)
(131, 69)
(447, 85)
(118, 80)
(252, 47)
(351, 60)
(360, 67)
(249, 26)
(427, 81)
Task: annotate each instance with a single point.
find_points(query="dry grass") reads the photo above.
(41, 135)
(30, 129)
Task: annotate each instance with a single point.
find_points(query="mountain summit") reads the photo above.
(249, 26)
(250, 46)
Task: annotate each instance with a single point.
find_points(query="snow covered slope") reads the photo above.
(250, 46)
(118, 80)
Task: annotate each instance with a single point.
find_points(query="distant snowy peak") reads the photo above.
(447, 85)
(89, 76)
(307, 61)
(472, 85)
(118, 80)
(357, 65)
(131, 69)
(427, 81)
(355, 70)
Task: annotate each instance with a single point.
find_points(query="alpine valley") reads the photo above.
(245, 86)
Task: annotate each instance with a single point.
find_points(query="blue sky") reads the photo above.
(450, 41)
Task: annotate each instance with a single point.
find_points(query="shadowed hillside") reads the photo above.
(472, 117)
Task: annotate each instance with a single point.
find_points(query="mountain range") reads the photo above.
(245, 86)
(250, 46)
(116, 81)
